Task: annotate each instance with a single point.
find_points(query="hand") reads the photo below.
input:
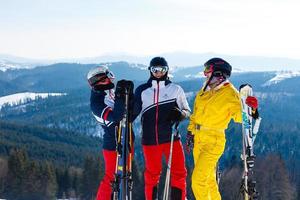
(189, 145)
(252, 102)
(121, 88)
(175, 115)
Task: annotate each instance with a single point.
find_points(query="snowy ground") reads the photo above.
(282, 75)
(20, 98)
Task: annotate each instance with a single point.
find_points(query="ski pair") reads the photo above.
(249, 133)
(123, 183)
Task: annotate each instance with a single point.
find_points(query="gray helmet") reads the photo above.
(101, 78)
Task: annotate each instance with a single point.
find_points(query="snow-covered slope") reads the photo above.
(5, 66)
(20, 98)
(280, 76)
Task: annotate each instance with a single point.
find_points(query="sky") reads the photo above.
(53, 29)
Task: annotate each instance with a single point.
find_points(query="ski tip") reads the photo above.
(244, 85)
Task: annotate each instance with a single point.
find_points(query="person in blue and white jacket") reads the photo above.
(108, 108)
(162, 103)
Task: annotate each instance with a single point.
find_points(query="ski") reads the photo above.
(249, 132)
(123, 184)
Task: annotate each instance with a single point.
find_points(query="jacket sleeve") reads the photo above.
(183, 104)
(236, 109)
(105, 114)
(137, 106)
(191, 126)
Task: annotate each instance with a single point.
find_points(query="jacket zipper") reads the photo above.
(156, 116)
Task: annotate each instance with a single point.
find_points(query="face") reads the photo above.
(158, 74)
(208, 71)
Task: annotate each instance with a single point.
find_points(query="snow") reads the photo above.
(274, 96)
(20, 98)
(4, 66)
(280, 76)
(198, 75)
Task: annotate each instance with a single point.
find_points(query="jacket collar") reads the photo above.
(226, 82)
(154, 83)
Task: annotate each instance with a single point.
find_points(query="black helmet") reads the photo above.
(100, 78)
(219, 67)
(158, 61)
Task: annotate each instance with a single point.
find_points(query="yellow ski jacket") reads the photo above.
(213, 109)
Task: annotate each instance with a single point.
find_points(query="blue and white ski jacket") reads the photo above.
(108, 113)
(155, 100)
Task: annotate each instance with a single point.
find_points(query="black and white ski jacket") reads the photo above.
(108, 112)
(155, 100)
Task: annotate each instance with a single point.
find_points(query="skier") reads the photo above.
(108, 108)
(162, 104)
(215, 105)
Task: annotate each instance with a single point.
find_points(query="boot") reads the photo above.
(176, 193)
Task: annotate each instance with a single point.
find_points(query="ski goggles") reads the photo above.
(102, 78)
(162, 69)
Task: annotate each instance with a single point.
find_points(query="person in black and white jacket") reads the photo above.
(161, 104)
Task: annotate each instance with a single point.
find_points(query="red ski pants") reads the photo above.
(153, 166)
(105, 190)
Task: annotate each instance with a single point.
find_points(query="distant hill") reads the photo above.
(179, 58)
(45, 144)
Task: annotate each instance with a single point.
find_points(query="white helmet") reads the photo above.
(101, 78)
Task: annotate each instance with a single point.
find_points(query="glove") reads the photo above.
(189, 145)
(175, 115)
(121, 88)
(252, 102)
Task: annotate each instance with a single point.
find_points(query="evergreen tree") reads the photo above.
(49, 181)
(76, 183)
(272, 179)
(16, 177)
(90, 177)
(3, 174)
(32, 182)
(59, 181)
(138, 181)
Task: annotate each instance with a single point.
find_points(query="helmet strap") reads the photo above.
(217, 81)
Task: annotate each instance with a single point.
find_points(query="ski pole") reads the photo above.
(116, 183)
(167, 182)
(130, 181)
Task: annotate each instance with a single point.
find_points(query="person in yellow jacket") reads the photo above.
(215, 105)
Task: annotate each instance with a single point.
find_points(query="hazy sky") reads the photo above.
(86, 28)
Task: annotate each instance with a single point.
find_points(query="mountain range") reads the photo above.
(175, 59)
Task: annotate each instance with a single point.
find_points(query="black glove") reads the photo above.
(189, 145)
(122, 87)
(120, 93)
(175, 115)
